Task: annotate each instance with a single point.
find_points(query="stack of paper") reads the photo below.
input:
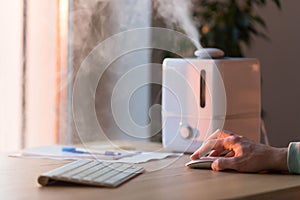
(55, 152)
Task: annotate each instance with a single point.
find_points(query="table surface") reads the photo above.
(163, 179)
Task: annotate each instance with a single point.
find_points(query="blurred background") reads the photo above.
(43, 44)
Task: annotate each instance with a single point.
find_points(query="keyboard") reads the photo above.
(91, 172)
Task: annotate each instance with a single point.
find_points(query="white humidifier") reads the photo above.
(203, 94)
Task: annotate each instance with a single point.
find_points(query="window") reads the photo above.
(10, 77)
(44, 45)
(33, 64)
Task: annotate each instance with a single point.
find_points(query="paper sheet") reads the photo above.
(147, 156)
(55, 152)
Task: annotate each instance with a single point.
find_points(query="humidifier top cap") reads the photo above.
(209, 53)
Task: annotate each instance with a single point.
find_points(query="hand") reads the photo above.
(242, 154)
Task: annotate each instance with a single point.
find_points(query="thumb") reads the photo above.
(224, 163)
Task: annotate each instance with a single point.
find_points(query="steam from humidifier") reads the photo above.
(178, 13)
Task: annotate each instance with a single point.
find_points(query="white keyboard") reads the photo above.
(91, 172)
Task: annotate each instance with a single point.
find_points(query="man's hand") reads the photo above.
(231, 151)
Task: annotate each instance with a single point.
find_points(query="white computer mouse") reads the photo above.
(200, 164)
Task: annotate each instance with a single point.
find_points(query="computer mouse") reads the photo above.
(200, 164)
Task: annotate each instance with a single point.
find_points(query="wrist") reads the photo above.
(280, 159)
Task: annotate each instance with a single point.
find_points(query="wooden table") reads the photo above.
(164, 179)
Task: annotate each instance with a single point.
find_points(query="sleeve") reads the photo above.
(293, 157)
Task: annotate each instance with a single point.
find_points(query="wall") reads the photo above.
(280, 71)
(28, 117)
(11, 23)
(41, 73)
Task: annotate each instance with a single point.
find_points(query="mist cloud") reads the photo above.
(178, 13)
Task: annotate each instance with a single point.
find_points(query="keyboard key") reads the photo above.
(66, 168)
(89, 171)
(123, 176)
(79, 169)
(105, 170)
(110, 174)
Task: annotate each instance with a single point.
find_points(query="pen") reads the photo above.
(81, 150)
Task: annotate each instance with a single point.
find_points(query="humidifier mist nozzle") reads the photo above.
(209, 53)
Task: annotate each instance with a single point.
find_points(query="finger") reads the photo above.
(213, 153)
(207, 147)
(219, 145)
(219, 153)
(214, 135)
(230, 154)
(219, 134)
(203, 150)
(224, 163)
(208, 158)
